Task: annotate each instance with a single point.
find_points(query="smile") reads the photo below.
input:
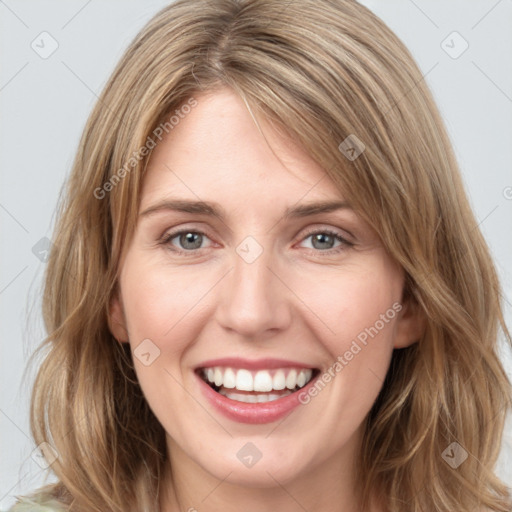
(260, 386)
(249, 391)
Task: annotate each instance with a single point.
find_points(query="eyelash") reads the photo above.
(166, 239)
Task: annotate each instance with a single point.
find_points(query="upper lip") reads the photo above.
(253, 364)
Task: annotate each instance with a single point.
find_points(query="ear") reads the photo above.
(116, 318)
(410, 325)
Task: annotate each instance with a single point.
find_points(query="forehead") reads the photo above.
(218, 151)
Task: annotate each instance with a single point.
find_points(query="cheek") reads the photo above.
(357, 315)
(354, 304)
(159, 302)
(337, 311)
(367, 320)
(338, 306)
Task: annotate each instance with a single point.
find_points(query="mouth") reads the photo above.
(256, 386)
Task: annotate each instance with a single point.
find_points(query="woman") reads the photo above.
(268, 288)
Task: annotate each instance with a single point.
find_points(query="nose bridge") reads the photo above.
(253, 299)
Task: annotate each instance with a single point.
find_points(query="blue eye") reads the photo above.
(188, 242)
(323, 240)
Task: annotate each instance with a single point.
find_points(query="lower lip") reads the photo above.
(254, 413)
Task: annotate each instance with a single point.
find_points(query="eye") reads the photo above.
(324, 240)
(188, 240)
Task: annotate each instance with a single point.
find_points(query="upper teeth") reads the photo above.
(262, 380)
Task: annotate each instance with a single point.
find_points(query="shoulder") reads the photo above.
(37, 505)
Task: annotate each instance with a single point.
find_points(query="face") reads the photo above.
(262, 330)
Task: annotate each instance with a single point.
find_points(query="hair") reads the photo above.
(337, 72)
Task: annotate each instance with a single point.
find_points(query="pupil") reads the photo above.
(191, 238)
(322, 237)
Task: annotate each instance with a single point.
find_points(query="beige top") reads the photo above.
(36, 505)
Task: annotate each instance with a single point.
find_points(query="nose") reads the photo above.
(254, 301)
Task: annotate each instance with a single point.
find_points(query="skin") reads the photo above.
(297, 301)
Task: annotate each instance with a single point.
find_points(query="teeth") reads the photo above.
(291, 379)
(244, 380)
(279, 380)
(263, 380)
(229, 378)
(218, 377)
(252, 399)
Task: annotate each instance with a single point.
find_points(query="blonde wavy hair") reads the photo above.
(320, 70)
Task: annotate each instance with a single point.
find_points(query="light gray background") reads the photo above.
(44, 104)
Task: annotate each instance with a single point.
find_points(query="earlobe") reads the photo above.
(116, 319)
(410, 326)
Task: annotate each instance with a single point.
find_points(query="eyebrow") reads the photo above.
(215, 210)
